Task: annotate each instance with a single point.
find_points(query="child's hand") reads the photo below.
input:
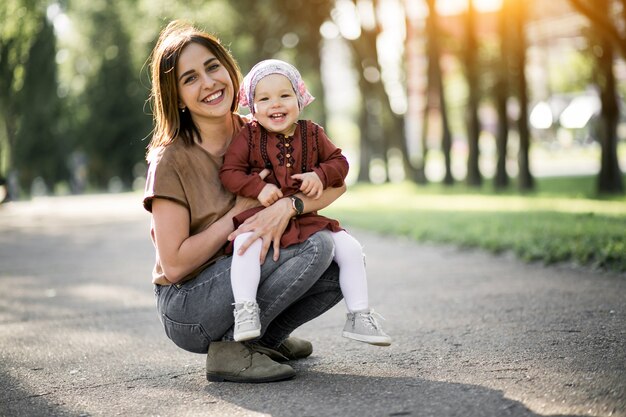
(269, 195)
(311, 184)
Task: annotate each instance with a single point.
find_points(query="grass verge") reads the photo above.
(561, 222)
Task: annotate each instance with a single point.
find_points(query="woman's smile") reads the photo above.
(213, 98)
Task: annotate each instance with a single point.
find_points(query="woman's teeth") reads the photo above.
(213, 96)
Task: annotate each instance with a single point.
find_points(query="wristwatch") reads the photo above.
(297, 205)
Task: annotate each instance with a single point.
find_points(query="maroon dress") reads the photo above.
(308, 150)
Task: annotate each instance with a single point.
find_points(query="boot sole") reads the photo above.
(372, 340)
(231, 378)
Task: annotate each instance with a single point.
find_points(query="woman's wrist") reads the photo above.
(288, 207)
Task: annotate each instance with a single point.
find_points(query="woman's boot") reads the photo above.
(236, 362)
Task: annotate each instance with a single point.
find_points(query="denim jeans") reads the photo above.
(301, 285)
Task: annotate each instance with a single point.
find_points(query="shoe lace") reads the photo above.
(247, 308)
(370, 319)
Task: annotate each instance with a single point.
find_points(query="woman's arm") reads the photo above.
(179, 253)
(270, 223)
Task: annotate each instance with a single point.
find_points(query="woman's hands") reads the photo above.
(269, 225)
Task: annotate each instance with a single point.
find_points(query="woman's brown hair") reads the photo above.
(169, 121)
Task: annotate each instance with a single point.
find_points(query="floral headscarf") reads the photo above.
(273, 66)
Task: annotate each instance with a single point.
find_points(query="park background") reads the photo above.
(490, 123)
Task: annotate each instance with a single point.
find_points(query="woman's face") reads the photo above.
(276, 104)
(204, 85)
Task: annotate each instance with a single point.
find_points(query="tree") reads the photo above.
(435, 95)
(525, 178)
(20, 19)
(473, 124)
(115, 125)
(609, 37)
(501, 178)
(39, 150)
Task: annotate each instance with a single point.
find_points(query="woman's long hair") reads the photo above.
(170, 122)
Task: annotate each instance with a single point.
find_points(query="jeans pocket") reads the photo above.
(190, 337)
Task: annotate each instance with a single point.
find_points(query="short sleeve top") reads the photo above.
(188, 175)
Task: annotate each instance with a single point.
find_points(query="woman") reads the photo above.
(194, 85)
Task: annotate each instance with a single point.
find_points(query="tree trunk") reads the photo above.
(435, 88)
(474, 177)
(501, 178)
(526, 181)
(446, 135)
(365, 153)
(610, 176)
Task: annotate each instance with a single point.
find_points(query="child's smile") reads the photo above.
(276, 104)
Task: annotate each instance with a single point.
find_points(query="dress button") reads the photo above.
(288, 165)
(286, 145)
(288, 155)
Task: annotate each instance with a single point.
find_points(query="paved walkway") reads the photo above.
(474, 335)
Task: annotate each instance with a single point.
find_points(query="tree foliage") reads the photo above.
(76, 83)
(20, 20)
(113, 130)
(40, 146)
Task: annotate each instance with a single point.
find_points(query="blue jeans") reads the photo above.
(301, 285)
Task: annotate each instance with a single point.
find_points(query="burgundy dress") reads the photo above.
(308, 150)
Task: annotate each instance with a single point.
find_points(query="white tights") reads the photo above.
(246, 271)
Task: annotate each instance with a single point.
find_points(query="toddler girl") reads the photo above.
(300, 158)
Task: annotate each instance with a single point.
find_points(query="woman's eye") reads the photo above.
(189, 79)
(213, 67)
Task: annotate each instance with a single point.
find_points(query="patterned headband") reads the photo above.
(273, 66)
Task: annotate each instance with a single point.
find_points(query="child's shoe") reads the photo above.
(362, 326)
(247, 322)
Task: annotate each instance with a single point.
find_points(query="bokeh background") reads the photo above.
(444, 91)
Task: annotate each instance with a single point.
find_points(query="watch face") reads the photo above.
(298, 205)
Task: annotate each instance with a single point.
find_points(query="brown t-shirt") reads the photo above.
(188, 175)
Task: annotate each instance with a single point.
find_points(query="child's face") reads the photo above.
(276, 104)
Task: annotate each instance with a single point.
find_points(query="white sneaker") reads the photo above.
(247, 322)
(364, 327)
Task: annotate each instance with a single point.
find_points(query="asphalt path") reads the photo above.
(474, 334)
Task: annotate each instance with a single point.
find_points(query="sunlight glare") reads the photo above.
(347, 19)
(453, 7)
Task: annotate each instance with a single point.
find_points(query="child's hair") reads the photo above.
(169, 121)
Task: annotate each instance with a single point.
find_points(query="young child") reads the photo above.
(301, 158)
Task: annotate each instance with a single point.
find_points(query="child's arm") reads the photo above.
(333, 165)
(235, 172)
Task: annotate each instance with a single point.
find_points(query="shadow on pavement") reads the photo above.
(18, 402)
(313, 393)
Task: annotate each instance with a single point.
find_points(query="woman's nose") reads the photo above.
(207, 81)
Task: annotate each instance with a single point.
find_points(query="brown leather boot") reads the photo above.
(236, 362)
(291, 348)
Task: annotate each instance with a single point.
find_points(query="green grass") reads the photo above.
(561, 222)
